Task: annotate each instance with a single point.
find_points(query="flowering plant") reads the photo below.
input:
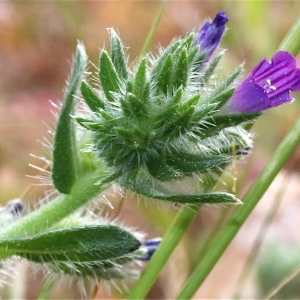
(144, 129)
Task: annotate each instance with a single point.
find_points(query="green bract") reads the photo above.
(159, 122)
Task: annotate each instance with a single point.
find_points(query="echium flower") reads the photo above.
(210, 34)
(268, 85)
(148, 248)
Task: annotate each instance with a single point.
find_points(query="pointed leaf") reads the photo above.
(65, 154)
(140, 79)
(79, 244)
(117, 54)
(160, 170)
(108, 76)
(156, 70)
(165, 76)
(90, 97)
(181, 70)
(211, 68)
(219, 122)
(138, 107)
(189, 163)
(146, 186)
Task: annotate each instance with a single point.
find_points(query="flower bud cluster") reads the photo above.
(159, 122)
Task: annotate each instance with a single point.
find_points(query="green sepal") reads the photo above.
(219, 122)
(227, 82)
(65, 165)
(192, 102)
(221, 99)
(193, 55)
(88, 124)
(210, 69)
(208, 110)
(117, 54)
(189, 163)
(108, 76)
(90, 97)
(77, 244)
(197, 64)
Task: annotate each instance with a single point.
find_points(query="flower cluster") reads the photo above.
(269, 83)
(166, 119)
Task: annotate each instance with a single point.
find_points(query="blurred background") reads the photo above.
(38, 40)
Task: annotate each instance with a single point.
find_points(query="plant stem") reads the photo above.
(153, 29)
(172, 237)
(250, 200)
(83, 190)
(291, 42)
(256, 247)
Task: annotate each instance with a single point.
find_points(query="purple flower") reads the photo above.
(211, 33)
(148, 248)
(268, 85)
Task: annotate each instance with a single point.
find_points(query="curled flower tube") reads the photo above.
(268, 85)
(210, 34)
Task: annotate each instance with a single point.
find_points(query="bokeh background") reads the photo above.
(38, 40)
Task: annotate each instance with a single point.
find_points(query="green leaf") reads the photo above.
(222, 98)
(156, 70)
(197, 64)
(166, 116)
(65, 154)
(148, 187)
(211, 68)
(189, 163)
(180, 122)
(79, 244)
(88, 124)
(160, 170)
(227, 82)
(137, 106)
(90, 97)
(191, 102)
(202, 198)
(181, 70)
(165, 76)
(140, 80)
(108, 76)
(117, 54)
(219, 122)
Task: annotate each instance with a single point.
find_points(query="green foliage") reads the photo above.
(76, 244)
(65, 166)
(91, 98)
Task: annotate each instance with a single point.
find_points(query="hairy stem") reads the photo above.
(83, 190)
